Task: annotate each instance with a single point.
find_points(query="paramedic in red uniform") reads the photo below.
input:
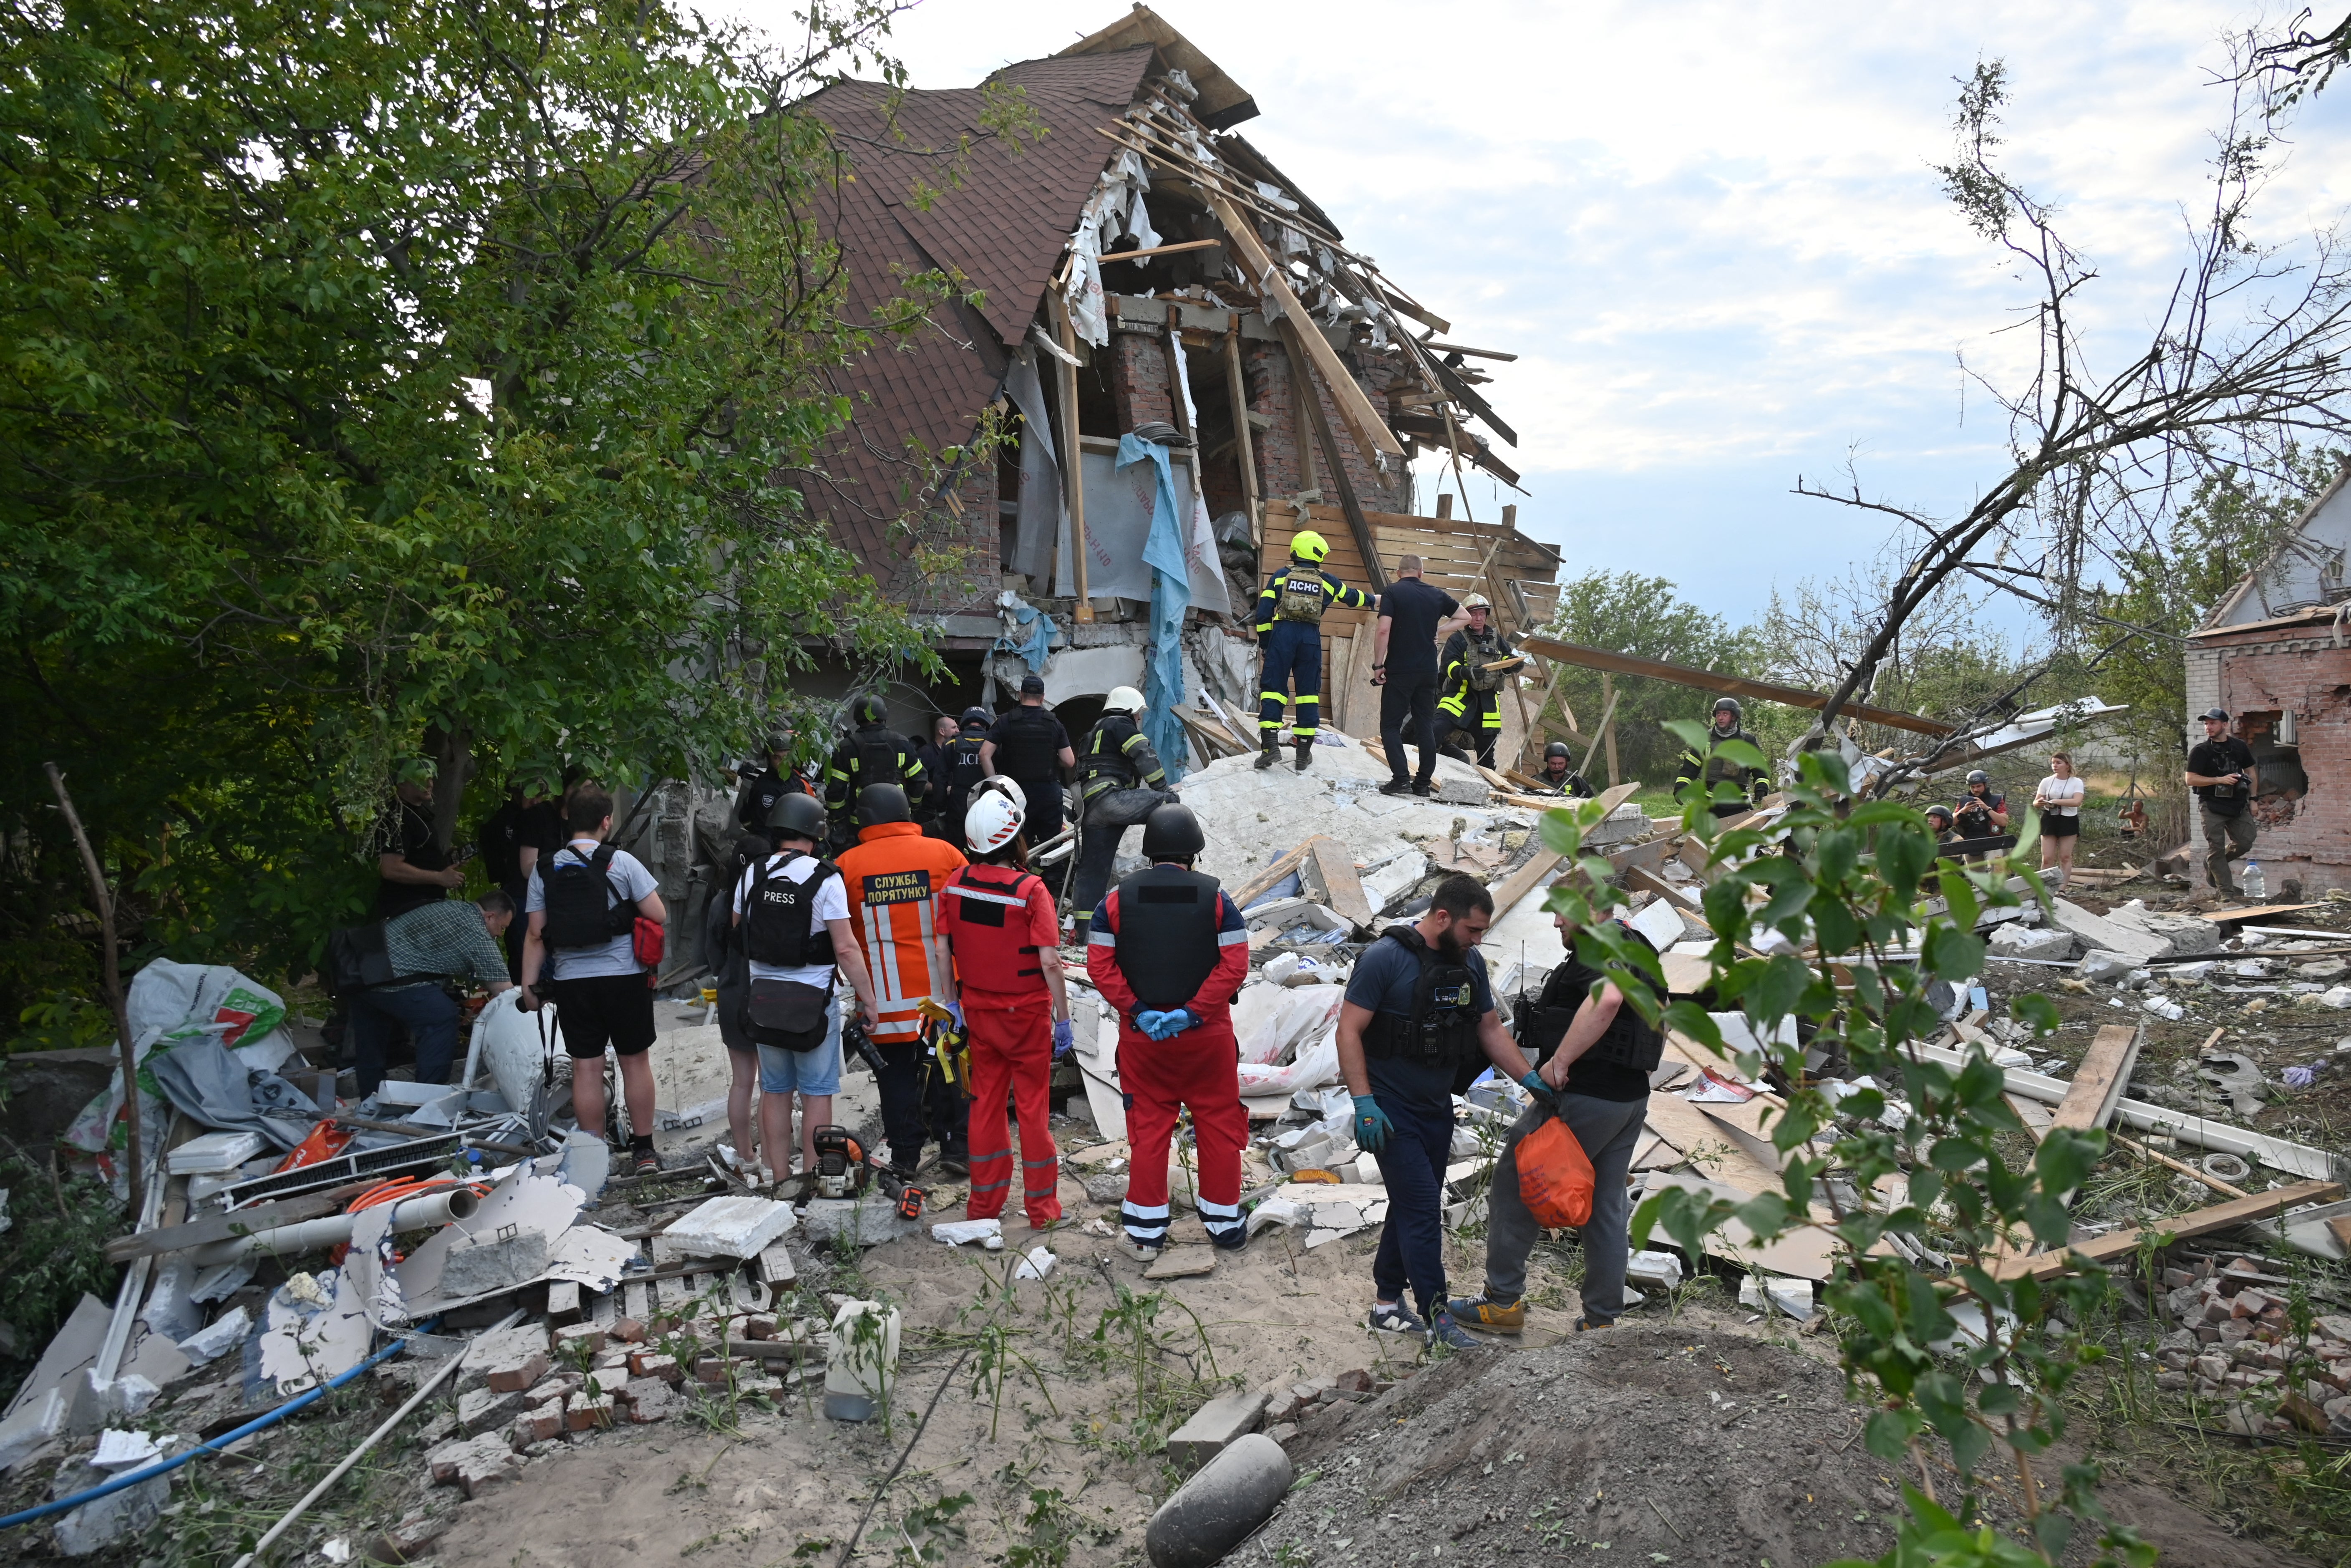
(1168, 949)
(1004, 928)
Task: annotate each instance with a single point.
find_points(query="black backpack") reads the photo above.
(777, 915)
(579, 904)
(357, 960)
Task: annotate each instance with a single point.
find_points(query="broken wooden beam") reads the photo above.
(1736, 685)
(2178, 1227)
(2098, 1082)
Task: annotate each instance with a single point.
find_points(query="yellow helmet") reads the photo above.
(1476, 602)
(1308, 545)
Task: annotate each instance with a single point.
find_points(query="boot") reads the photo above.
(1305, 754)
(1273, 752)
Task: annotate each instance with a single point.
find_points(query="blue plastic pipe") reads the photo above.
(164, 1467)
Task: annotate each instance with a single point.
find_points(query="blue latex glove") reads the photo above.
(1533, 1084)
(1065, 1039)
(1183, 1019)
(1373, 1128)
(1151, 1022)
(957, 1010)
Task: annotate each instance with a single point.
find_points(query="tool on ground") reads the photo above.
(843, 1166)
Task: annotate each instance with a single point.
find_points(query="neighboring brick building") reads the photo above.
(1137, 154)
(2277, 656)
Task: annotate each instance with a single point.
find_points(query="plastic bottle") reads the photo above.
(863, 1365)
(2255, 885)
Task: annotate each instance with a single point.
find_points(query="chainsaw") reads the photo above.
(844, 1168)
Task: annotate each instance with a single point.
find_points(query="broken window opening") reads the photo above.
(2277, 758)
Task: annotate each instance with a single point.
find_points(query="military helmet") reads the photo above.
(1558, 748)
(1731, 705)
(869, 709)
(1172, 833)
(878, 803)
(798, 816)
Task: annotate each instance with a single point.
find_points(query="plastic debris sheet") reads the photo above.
(167, 1005)
(1272, 1020)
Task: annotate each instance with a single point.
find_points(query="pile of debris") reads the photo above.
(2236, 1339)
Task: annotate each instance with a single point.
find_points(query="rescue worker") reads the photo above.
(1716, 768)
(1005, 931)
(872, 753)
(960, 771)
(1417, 1010)
(1558, 774)
(1593, 1056)
(932, 753)
(1029, 746)
(894, 875)
(1168, 948)
(1290, 629)
(763, 784)
(1473, 692)
(1122, 782)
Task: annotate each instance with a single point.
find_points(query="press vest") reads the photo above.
(985, 910)
(894, 875)
(1167, 929)
(777, 915)
(1442, 1030)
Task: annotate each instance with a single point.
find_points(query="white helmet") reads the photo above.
(1123, 699)
(993, 819)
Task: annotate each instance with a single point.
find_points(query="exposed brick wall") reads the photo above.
(1280, 448)
(2308, 838)
(1142, 386)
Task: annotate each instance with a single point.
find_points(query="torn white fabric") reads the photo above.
(1202, 564)
(1044, 512)
(1117, 199)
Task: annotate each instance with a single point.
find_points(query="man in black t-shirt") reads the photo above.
(413, 870)
(517, 833)
(1029, 746)
(1605, 1103)
(2220, 770)
(1413, 617)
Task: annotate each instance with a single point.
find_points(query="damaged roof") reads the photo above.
(1002, 226)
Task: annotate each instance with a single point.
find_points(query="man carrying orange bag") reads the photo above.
(1596, 1054)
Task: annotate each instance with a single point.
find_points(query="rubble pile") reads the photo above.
(2236, 1340)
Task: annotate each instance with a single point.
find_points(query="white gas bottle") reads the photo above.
(863, 1366)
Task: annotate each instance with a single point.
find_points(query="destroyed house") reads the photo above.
(1125, 259)
(2277, 655)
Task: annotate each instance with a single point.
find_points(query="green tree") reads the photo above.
(400, 380)
(1627, 613)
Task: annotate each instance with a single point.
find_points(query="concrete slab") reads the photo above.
(1213, 1428)
(733, 1226)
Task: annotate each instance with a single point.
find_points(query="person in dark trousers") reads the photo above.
(1417, 1010)
(428, 946)
(721, 949)
(960, 772)
(1167, 949)
(1595, 1055)
(1473, 689)
(2222, 773)
(1289, 632)
(1559, 774)
(522, 828)
(411, 868)
(762, 786)
(1706, 770)
(872, 753)
(1121, 781)
(585, 900)
(1413, 617)
(1983, 812)
(933, 752)
(1029, 746)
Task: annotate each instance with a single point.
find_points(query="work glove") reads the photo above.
(1152, 1022)
(1065, 1039)
(1533, 1084)
(955, 1009)
(1373, 1128)
(1181, 1020)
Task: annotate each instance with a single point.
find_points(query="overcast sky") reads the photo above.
(1712, 233)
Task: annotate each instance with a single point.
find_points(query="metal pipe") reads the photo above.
(429, 1212)
(425, 1392)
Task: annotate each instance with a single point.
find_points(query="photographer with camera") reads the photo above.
(2220, 770)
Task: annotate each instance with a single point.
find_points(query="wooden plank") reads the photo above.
(1335, 867)
(1332, 459)
(1257, 886)
(2178, 1227)
(1072, 482)
(1706, 680)
(1237, 390)
(2259, 911)
(1372, 434)
(2098, 1082)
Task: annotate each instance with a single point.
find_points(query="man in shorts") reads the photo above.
(584, 902)
(792, 910)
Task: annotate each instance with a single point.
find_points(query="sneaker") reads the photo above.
(646, 1162)
(1444, 1331)
(1494, 1317)
(1146, 1256)
(1394, 1318)
(1396, 786)
(1423, 787)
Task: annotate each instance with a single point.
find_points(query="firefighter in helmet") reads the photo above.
(1710, 767)
(1478, 660)
(1290, 629)
(872, 753)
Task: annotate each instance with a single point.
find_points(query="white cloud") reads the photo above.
(1712, 232)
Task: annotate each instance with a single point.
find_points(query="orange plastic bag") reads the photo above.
(1554, 1177)
(325, 1142)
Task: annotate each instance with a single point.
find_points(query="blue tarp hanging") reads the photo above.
(1035, 649)
(1171, 594)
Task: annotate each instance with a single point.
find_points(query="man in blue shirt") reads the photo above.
(1418, 1009)
(1290, 629)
